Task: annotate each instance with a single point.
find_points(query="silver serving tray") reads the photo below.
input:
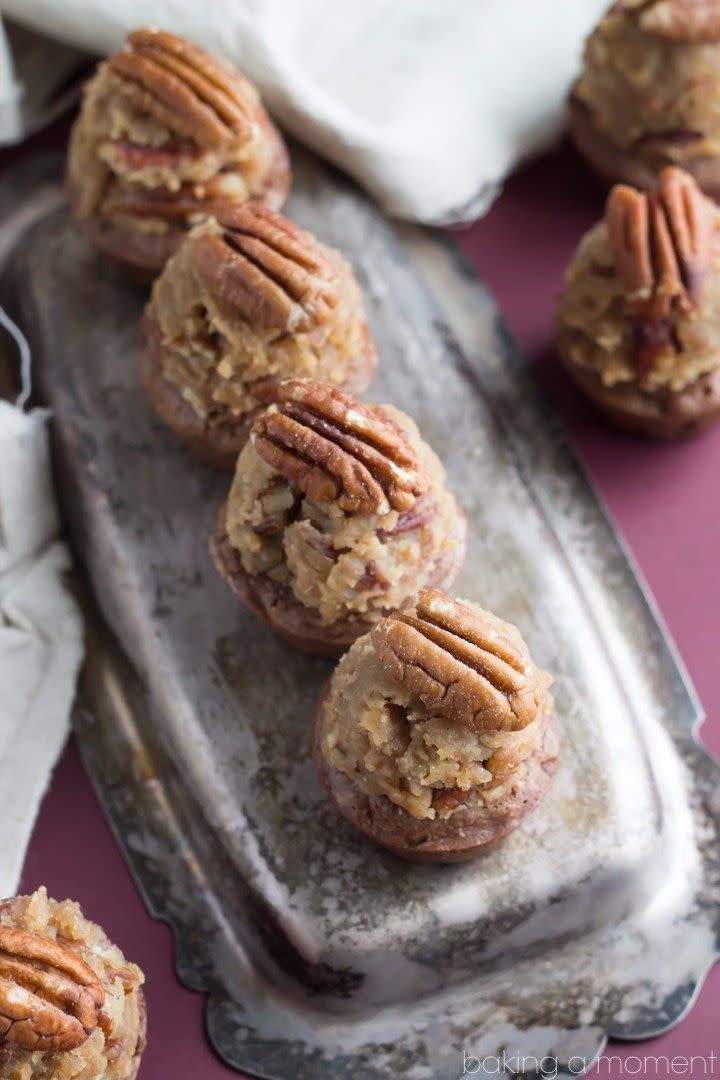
(321, 955)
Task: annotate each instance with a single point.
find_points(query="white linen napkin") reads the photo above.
(41, 631)
(428, 104)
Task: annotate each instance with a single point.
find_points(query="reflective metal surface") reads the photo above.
(323, 956)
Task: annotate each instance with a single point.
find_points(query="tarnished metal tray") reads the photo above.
(322, 956)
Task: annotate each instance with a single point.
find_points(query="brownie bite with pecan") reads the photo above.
(248, 297)
(649, 92)
(168, 135)
(71, 1006)
(338, 512)
(639, 319)
(436, 734)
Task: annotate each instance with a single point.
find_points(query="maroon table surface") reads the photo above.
(664, 501)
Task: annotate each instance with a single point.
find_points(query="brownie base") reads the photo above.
(298, 625)
(613, 164)
(468, 832)
(219, 444)
(143, 255)
(665, 415)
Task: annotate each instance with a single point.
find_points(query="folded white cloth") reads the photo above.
(428, 104)
(38, 80)
(41, 633)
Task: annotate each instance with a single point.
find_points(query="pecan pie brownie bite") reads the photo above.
(71, 1006)
(436, 735)
(337, 513)
(649, 92)
(166, 136)
(249, 296)
(639, 319)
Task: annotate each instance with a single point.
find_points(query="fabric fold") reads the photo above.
(41, 633)
(429, 106)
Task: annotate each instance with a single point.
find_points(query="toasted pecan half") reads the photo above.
(275, 274)
(460, 662)
(334, 448)
(50, 999)
(661, 245)
(187, 89)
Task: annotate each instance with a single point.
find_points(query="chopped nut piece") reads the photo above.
(446, 800)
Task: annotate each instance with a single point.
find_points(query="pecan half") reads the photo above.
(372, 578)
(186, 89)
(461, 664)
(50, 999)
(418, 515)
(661, 246)
(336, 449)
(676, 20)
(276, 275)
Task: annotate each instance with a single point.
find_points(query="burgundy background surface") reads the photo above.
(664, 500)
